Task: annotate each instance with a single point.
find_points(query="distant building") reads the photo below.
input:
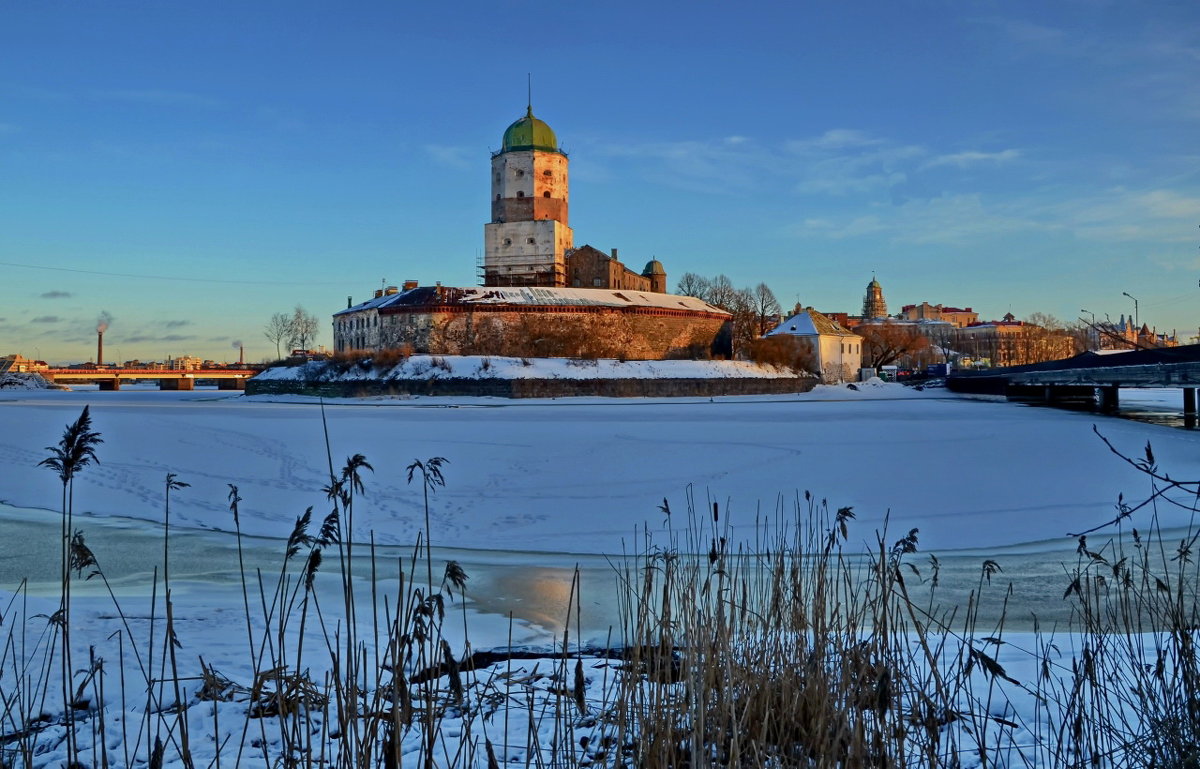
(874, 305)
(1124, 335)
(183, 363)
(958, 317)
(837, 350)
(18, 364)
(1012, 342)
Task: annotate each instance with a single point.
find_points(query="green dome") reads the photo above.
(529, 133)
(654, 267)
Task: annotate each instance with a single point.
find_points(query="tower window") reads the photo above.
(546, 194)
(508, 241)
(497, 196)
(530, 241)
(520, 194)
(520, 173)
(547, 172)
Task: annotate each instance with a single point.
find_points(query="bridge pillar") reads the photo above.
(183, 383)
(1189, 400)
(231, 384)
(109, 385)
(1110, 398)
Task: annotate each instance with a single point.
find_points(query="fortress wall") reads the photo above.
(555, 332)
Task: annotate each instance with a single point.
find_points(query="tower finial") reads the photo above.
(529, 92)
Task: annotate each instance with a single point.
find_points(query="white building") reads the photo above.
(837, 351)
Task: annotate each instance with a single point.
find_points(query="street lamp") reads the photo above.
(1093, 333)
(1137, 325)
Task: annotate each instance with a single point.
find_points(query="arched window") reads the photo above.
(546, 194)
(508, 241)
(520, 194)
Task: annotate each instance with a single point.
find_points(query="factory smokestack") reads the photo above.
(101, 326)
(241, 348)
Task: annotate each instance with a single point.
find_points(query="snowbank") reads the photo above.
(23, 382)
(485, 367)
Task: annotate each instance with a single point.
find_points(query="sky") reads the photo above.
(192, 168)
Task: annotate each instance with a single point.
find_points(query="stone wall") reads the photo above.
(559, 332)
(537, 388)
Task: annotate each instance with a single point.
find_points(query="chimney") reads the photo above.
(614, 254)
(378, 292)
(99, 348)
(409, 285)
(349, 303)
(241, 355)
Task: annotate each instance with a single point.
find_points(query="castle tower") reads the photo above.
(526, 241)
(873, 304)
(657, 275)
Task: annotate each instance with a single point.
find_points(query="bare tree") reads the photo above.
(722, 293)
(692, 284)
(1045, 337)
(741, 305)
(766, 308)
(303, 327)
(278, 330)
(945, 339)
(885, 343)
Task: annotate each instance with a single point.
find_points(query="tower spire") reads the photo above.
(529, 94)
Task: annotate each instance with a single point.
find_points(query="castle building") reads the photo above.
(540, 294)
(589, 267)
(526, 242)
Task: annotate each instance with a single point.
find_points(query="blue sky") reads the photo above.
(222, 161)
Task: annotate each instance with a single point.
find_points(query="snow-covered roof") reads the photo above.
(426, 296)
(810, 323)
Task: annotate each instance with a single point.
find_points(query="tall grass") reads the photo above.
(790, 648)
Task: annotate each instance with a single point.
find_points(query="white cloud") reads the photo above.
(973, 157)
(454, 157)
(834, 139)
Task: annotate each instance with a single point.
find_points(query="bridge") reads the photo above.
(168, 379)
(1090, 378)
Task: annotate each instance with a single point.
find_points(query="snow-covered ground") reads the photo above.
(495, 367)
(578, 475)
(543, 484)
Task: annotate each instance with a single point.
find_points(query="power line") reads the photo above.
(164, 277)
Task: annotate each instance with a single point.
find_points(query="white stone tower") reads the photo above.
(526, 242)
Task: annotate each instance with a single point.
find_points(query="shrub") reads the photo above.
(784, 351)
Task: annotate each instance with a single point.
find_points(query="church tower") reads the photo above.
(873, 304)
(526, 242)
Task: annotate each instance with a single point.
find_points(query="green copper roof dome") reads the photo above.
(654, 267)
(529, 133)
